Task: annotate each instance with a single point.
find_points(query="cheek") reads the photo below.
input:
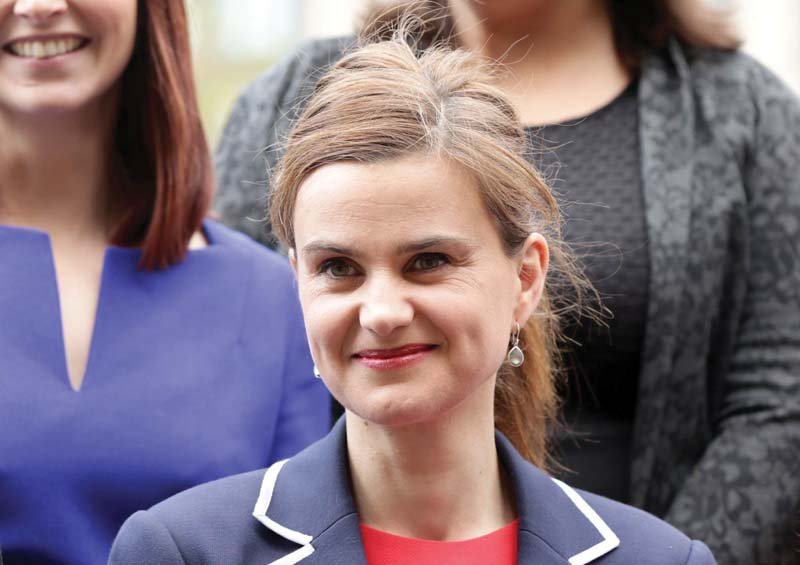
(482, 324)
(126, 37)
(129, 21)
(480, 347)
(120, 14)
(475, 326)
(328, 321)
(117, 23)
(329, 327)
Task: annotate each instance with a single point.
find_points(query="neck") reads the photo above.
(56, 171)
(437, 480)
(561, 56)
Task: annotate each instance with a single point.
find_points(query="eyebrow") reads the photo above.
(410, 247)
(435, 241)
(325, 247)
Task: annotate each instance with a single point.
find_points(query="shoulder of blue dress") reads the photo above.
(226, 238)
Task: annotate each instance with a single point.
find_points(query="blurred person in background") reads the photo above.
(422, 241)
(143, 349)
(666, 143)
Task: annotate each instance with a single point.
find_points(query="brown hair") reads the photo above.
(388, 100)
(639, 25)
(159, 139)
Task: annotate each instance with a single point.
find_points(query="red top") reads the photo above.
(497, 548)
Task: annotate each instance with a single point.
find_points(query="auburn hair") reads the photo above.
(387, 100)
(639, 26)
(164, 161)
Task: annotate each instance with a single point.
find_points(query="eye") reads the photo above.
(428, 261)
(337, 268)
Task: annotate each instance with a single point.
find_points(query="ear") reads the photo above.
(293, 260)
(532, 270)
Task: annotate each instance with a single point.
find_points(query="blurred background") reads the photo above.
(235, 41)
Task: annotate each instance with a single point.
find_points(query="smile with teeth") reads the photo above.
(44, 49)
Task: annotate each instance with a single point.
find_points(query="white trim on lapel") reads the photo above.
(610, 539)
(260, 514)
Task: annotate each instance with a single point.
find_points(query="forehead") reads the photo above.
(415, 196)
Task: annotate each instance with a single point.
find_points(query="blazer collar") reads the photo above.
(307, 500)
(556, 525)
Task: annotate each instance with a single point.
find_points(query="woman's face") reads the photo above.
(407, 293)
(61, 55)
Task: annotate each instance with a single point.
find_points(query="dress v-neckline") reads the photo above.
(56, 317)
(41, 261)
(98, 312)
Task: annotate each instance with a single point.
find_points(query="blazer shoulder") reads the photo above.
(645, 538)
(144, 539)
(230, 495)
(209, 523)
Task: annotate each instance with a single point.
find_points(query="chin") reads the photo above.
(46, 101)
(398, 410)
(49, 108)
(392, 419)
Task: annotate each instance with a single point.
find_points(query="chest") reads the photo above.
(78, 272)
(157, 348)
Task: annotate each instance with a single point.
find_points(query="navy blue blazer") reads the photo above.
(302, 511)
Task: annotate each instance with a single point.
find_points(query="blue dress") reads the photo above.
(195, 372)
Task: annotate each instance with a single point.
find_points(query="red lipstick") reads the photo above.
(394, 358)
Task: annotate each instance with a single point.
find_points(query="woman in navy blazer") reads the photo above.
(421, 240)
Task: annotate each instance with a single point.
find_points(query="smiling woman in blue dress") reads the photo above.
(143, 350)
(421, 239)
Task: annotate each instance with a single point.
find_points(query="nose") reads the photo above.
(384, 308)
(39, 11)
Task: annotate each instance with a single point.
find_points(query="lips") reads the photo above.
(394, 358)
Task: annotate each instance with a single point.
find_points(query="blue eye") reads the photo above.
(337, 268)
(428, 261)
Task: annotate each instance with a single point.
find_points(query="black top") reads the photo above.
(593, 165)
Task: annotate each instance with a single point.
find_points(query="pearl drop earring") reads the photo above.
(515, 355)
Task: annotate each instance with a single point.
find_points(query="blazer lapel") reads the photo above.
(307, 501)
(556, 525)
(666, 122)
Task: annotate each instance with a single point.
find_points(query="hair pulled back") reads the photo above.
(389, 99)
